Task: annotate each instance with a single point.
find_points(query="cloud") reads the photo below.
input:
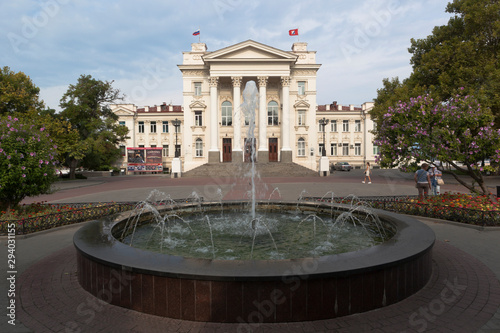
(358, 42)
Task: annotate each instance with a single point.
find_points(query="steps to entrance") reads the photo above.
(240, 170)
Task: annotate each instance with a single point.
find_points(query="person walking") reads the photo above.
(435, 175)
(367, 173)
(422, 181)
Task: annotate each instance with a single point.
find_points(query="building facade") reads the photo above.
(214, 129)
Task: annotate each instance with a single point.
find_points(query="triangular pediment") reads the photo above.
(122, 111)
(250, 50)
(301, 104)
(198, 105)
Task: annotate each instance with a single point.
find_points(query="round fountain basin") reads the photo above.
(255, 291)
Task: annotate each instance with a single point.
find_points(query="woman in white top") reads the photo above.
(367, 173)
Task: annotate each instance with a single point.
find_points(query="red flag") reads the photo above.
(293, 32)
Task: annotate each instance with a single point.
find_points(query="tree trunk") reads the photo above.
(72, 168)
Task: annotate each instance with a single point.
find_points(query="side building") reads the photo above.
(213, 128)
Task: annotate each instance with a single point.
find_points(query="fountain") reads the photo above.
(263, 275)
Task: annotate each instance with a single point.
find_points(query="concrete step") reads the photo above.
(242, 169)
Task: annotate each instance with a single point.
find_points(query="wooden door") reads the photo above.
(273, 149)
(226, 150)
(249, 150)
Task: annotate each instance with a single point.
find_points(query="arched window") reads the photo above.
(199, 147)
(272, 113)
(227, 114)
(301, 147)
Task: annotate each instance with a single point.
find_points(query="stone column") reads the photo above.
(286, 149)
(213, 152)
(237, 155)
(263, 151)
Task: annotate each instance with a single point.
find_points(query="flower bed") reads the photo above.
(38, 217)
(458, 207)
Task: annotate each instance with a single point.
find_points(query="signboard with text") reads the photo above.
(144, 159)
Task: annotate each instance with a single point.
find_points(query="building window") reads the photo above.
(153, 146)
(272, 113)
(199, 147)
(197, 88)
(165, 126)
(376, 150)
(333, 149)
(165, 151)
(197, 119)
(345, 126)
(141, 127)
(301, 121)
(333, 126)
(122, 150)
(177, 129)
(301, 88)
(121, 123)
(345, 149)
(178, 150)
(301, 147)
(153, 127)
(321, 147)
(357, 149)
(227, 114)
(357, 126)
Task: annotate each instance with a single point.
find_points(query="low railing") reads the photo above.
(70, 214)
(402, 205)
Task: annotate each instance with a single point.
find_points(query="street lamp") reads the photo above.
(176, 124)
(323, 122)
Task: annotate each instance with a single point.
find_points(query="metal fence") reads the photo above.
(403, 205)
(70, 213)
(79, 212)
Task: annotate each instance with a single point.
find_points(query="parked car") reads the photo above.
(343, 166)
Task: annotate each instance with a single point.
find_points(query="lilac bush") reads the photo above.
(27, 161)
(457, 132)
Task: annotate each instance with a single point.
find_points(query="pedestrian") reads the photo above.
(422, 181)
(367, 173)
(435, 175)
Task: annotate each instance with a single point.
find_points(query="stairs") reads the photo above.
(239, 170)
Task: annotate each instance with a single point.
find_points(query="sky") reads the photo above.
(138, 44)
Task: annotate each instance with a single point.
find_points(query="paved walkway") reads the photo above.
(463, 294)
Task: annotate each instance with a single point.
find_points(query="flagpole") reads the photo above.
(199, 36)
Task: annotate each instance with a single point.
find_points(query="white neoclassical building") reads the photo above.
(213, 128)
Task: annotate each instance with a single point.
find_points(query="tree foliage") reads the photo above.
(86, 106)
(459, 132)
(18, 94)
(462, 53)
(27, 161)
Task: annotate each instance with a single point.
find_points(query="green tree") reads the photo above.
(86, 106)
(27, 161)
(18, 94)
(463, 53)
(459, 132)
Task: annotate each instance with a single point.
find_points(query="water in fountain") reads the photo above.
(205, 231)
(250, 102)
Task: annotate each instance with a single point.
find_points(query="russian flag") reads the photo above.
(293, 32)
(196, 33)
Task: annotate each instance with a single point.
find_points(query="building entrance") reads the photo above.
(250, 150)
(226, 150)
(273, 149)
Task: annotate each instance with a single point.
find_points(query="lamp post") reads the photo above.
(323, 122)
(176, 124)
